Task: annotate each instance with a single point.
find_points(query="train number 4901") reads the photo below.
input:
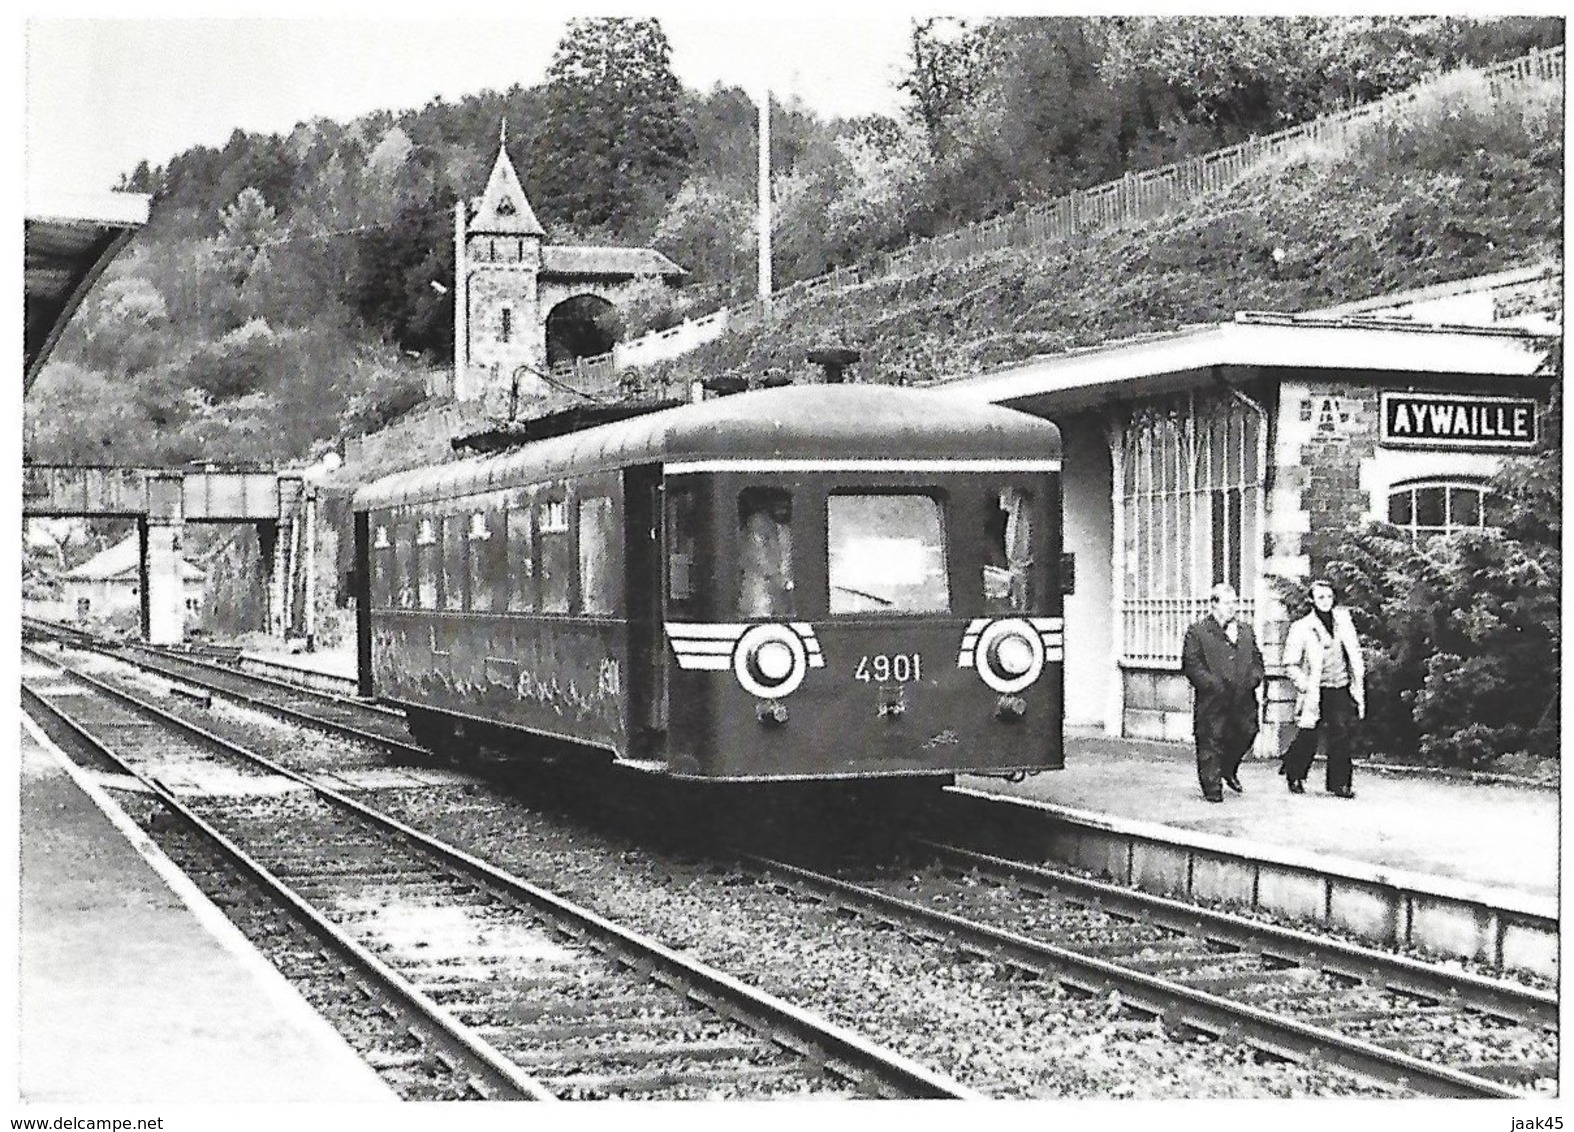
(900, 668)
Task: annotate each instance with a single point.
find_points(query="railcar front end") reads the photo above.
(862, 618)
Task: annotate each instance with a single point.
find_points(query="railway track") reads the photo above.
(516, 992)
(1392, 1020)
(1290, 994)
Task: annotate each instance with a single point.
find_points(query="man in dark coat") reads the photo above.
(1221, 659)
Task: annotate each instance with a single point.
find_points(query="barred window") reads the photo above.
(1442, 506)
(1189, 493)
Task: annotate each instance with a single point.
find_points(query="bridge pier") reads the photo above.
(162, 590)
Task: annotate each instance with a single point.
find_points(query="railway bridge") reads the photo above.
(163, 501)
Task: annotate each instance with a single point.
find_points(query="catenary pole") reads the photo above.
(765, 198)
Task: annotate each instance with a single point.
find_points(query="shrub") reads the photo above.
(1462, 633)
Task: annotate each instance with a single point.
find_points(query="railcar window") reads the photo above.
(557, 563)
(682, 542)
(765, 581)
(1008, 538)
(426, 552)
(453, 561)
(521, 559)
(382, 566)
(485, 561)
(598, 586)
(403, 536)
(887, 554)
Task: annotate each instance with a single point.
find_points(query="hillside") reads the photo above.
(1461, 188)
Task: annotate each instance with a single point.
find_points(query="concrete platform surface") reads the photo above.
(134, 987)
(1496, 837)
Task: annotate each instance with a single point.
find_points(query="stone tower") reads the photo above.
(499, 350)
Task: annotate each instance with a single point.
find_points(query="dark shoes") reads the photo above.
(1233, 782)
(1343, 792)
(1297, 786)
(1214, 797)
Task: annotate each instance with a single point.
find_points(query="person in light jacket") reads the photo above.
(1322, 657)
(1221, 659)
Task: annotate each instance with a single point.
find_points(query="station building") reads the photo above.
(1239, 451)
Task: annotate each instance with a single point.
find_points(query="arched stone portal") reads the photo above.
(585, 326)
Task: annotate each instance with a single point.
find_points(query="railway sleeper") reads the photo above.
(636, 1054)
(1362, 1016)
(671, 1025)
(1514, 1072)
(1247, 981)
(550, 987)
(1181, 962)
(548, 1012)
(755, 1078)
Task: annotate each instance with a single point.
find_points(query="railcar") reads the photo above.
(810, 582)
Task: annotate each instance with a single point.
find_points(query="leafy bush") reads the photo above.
(1463, 632)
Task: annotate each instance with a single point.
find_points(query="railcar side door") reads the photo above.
(647, 669)
(361, 594)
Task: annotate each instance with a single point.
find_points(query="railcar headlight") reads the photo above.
(772, 662)
(769, 661)
(1009, 655)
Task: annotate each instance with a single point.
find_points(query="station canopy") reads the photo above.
(68, 241)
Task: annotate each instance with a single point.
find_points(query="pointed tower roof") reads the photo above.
(503, 207)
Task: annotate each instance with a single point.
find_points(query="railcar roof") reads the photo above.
(794, 422)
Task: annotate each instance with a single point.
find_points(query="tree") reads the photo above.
(614, 127)
(708, 231)
(1046, 121)
(246, 227)
(947, 65)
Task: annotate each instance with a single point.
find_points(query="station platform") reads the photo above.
(1499, 838)
(133, 986)
(1495, 837)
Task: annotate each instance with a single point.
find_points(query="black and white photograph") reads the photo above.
(821, 555)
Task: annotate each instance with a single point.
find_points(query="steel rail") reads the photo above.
(184, 657)
(1514, 1001)
(299, 715)
(841, 1051)
(501, 1080)
(1177, 1004)
(339, 727)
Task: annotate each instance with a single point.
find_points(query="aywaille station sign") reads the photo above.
(1462, 421)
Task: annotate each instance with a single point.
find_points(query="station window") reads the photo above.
(598, 582)
(453, 562)
(556, 559)
(508, 324)
(1188, 490)
(521, 554)
(485, 562)
(887, 554)
(427, 552)
(1442, 506)
(765, 578)
(1008, 539)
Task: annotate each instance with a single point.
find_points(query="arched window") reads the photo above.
(1441, 506)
